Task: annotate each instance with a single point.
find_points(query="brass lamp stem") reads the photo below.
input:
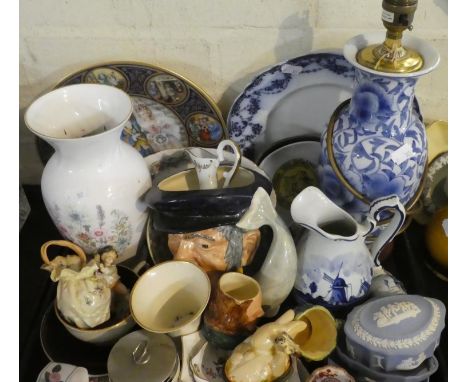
(391, 56)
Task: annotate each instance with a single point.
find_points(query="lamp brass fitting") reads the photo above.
(391, 56)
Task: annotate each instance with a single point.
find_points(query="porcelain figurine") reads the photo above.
(206, 164)
(278, 271)
(266, 355)
(84, 293)
(394, 333)
(92, 183)
(375, 145)
(334, 265)
(225, 248)
(234, 307)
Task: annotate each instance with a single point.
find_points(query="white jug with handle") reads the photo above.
(206, 164)
(335, 266)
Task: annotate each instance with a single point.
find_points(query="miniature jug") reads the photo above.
(206, 164)
(334, 265)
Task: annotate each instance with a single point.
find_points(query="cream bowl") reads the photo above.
(111, 330)
(170, 298)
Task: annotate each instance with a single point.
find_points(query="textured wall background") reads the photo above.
(219, 44)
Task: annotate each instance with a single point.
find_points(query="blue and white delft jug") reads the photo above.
(334, 265)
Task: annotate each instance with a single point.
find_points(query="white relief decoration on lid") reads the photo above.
(401, 343)
(393, 314)
(411, 363)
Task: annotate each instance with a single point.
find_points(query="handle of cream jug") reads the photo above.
(237, 159)
(393, 203)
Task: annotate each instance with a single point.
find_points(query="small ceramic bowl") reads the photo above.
(170, 298)
(177, 205)
(111, 330)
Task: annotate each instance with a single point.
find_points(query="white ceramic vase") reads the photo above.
(92, 183)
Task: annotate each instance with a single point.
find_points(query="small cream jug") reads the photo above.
(335, 266)
(206, 164)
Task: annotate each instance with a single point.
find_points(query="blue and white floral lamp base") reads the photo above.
(375, 144)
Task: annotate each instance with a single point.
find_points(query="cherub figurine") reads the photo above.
(107, 258)
(265, 356)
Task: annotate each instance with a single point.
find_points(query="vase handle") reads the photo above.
(391, 202)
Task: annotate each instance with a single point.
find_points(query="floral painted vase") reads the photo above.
(92, 184)
(375, 144)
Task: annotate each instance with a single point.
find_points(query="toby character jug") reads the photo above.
(335, 266)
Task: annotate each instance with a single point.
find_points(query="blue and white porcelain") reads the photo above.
(335, 268)
(395, 333)
(378, 140)
(292, 98)
(362, 373)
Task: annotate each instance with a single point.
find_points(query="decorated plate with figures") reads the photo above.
(169, 111)
(293, 98)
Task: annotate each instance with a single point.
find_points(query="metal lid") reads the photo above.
(142, 356)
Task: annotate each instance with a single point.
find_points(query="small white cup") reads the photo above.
(56, 372)
(170, 298)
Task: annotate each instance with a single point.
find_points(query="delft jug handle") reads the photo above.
(391, 202)
(220, 151)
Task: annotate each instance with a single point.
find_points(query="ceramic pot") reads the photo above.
(363, 373)
(394, 333)
(144, 357)
(375, 144)
(235, 305)
(92, 182)
(334, 265)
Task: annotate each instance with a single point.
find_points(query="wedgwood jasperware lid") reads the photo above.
(142, 356)
(395, 332)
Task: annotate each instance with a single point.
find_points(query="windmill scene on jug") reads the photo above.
(331, 289)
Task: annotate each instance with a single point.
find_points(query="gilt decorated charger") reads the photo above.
(169, 111)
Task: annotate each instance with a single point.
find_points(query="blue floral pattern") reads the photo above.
(246, 120)
(379, 144)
